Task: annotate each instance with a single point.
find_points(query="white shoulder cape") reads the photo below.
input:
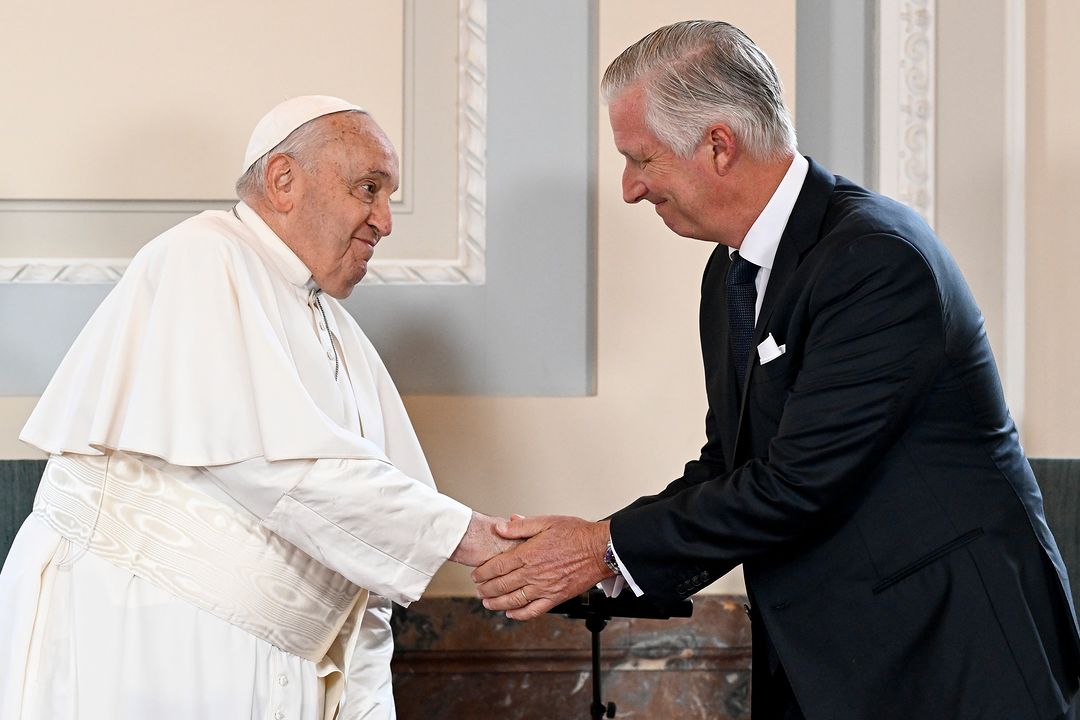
(205, 354)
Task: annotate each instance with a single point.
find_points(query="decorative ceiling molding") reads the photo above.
(906, 72)
(467, 268)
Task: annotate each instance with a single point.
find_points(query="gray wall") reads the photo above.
(530, 330)
(836, 47)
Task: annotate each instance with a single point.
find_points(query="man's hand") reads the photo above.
(563, 557)
(480, 542)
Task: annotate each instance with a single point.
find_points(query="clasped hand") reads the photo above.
(560, 558)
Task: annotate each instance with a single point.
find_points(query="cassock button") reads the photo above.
(282, 680)
(329, 355)
(279, 715)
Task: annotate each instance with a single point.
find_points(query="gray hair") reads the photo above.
(300, 144)
(697, 73)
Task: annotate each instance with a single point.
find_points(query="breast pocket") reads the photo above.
(781, 368)
(770, 386)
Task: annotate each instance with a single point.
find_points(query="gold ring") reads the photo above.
(523, 595)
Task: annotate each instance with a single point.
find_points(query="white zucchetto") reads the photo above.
(287, 116)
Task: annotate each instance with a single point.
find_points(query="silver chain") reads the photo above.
(326, 324)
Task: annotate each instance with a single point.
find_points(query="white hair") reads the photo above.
(300, 145)
(698, 73)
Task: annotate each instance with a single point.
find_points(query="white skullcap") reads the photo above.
(277, 124)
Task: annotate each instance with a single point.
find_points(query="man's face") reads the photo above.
(681, 189)
(343, 208)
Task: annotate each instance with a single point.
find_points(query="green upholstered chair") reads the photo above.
(18, 483)
(1059, 479)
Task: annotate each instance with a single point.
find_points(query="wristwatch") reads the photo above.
(609, 559)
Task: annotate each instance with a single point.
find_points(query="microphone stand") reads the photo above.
(596, 609)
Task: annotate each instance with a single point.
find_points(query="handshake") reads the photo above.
(526, 566)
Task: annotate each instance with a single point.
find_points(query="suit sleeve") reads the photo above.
(873, 348)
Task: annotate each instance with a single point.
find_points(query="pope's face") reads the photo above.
(679, 188)
(343, 209)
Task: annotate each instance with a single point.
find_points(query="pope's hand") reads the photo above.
(480, 542)
(562, 558)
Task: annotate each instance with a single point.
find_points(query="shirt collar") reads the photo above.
(759, 245)
(277, 252)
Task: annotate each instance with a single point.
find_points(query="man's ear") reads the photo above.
(282, 182)
(723, 146)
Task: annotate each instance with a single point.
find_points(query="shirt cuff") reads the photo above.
(612, 586)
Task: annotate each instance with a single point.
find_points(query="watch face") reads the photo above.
(610, 561)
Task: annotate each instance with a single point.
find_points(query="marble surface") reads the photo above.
(456, 660)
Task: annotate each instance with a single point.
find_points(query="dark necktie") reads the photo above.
(741, 296)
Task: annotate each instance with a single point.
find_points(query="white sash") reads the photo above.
(200, 550)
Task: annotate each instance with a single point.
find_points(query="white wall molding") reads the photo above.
(467, 268)
(472, 141)
(62, 270)
(906, 71)
(438, 339)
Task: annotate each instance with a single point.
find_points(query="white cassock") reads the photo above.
(222, 522)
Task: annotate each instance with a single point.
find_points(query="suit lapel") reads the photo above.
(801, 233)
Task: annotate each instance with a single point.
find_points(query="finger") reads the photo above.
(504, 585)
(508, 586)
(497, 567)
(515, 516)
(523, 528)
(533, 610)
(510, 601)
(513, 600)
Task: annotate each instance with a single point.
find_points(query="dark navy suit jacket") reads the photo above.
(871, 482)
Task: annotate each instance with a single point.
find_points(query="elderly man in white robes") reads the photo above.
(234, 493)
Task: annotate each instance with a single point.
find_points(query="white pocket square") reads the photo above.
(768, 350)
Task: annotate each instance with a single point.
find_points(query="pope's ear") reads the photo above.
(281, 182)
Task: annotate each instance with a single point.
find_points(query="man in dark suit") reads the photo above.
(860, 460)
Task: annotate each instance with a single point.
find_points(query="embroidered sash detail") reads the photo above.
(197, 548)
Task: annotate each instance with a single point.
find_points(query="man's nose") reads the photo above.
(381, 218)
(633, 190)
